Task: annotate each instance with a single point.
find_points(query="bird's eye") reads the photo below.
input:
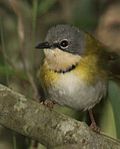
(64, 44)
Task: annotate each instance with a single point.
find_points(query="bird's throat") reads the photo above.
(61, 61)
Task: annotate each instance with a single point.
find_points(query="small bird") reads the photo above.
(73, 73)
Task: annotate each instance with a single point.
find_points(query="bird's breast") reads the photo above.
(70, 89)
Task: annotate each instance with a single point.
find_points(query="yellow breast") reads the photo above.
(87, 70)
(47, 77)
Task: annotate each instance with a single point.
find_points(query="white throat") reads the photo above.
(60, 60)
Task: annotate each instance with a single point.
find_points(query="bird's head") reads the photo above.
(65, 46)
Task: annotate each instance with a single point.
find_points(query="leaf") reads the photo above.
(107, 120)
(114, 97)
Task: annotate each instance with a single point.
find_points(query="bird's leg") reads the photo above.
(93, 125)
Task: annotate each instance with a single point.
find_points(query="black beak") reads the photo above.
(43, 45)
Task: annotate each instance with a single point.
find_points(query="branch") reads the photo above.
(50, 128)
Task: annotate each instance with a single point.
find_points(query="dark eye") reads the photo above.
(64, 44)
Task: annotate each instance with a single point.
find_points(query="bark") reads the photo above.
(54, 130)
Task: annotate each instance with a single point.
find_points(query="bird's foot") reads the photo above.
(48, 103)
(94, 127)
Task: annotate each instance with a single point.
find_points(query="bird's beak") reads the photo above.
(43, 45)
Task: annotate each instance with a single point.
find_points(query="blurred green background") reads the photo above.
(25, 22)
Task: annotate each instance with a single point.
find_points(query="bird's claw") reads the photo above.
(48, 103)
(94, 127)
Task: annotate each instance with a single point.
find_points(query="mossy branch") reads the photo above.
(54, 130)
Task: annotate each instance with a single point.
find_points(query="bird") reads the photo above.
(74, 70)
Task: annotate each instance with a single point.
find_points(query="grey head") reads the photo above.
(64, 37)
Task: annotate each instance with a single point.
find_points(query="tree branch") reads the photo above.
(54, 130)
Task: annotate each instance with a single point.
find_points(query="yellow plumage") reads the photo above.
(47, 76)
(87, 70)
